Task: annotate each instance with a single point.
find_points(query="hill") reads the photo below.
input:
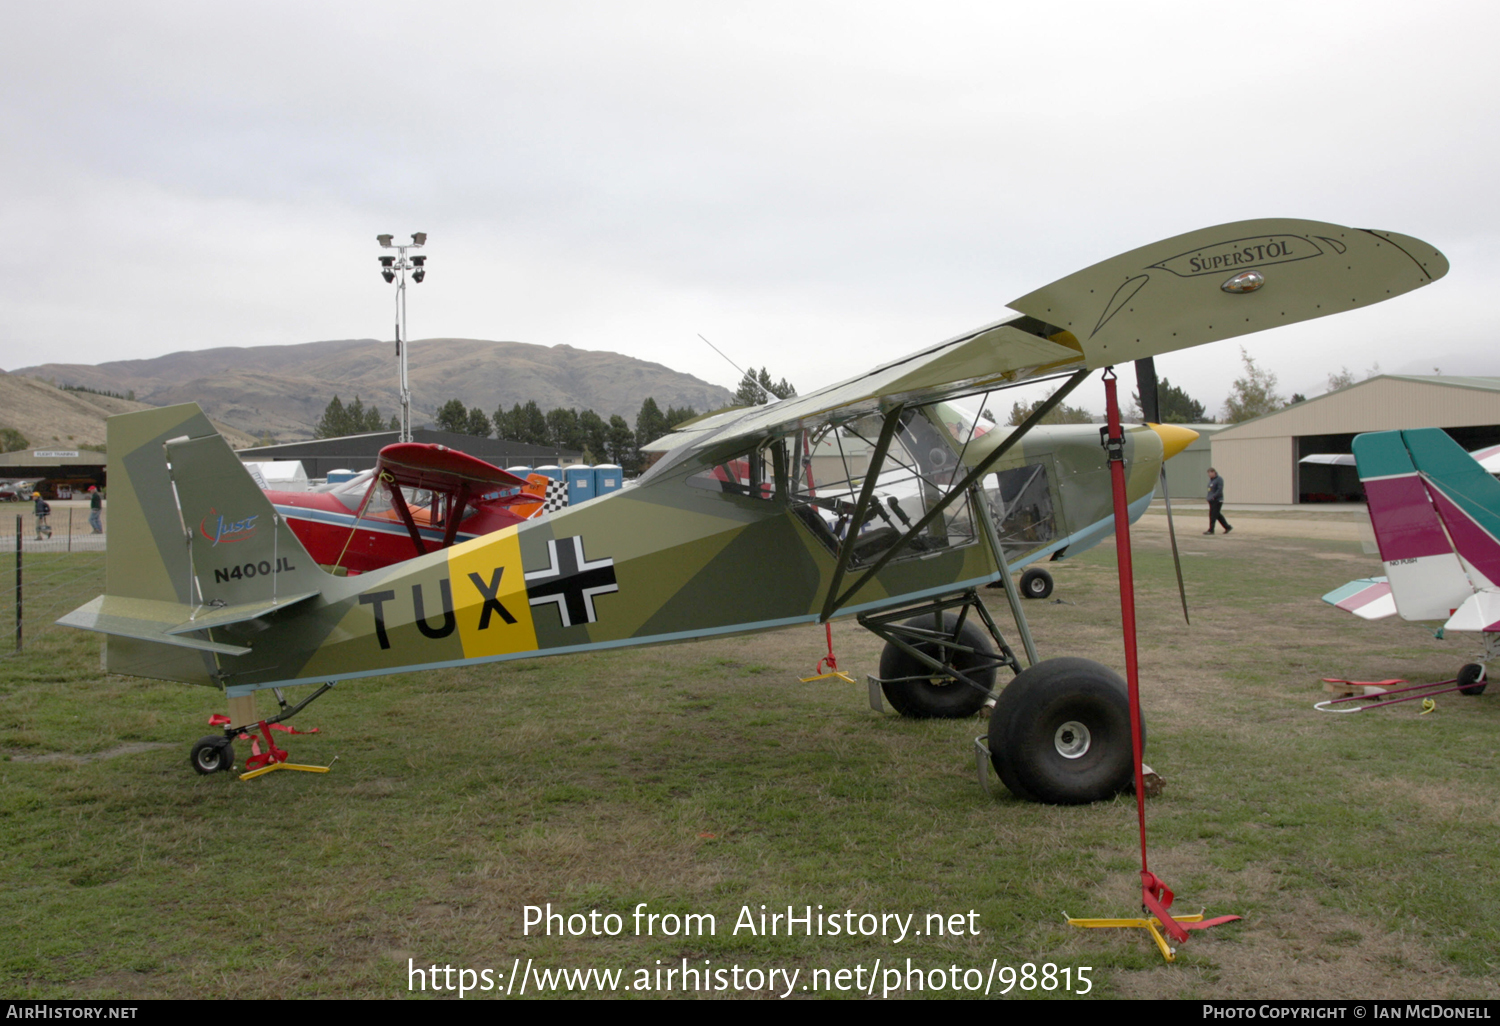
(52, 417)
(283, 390)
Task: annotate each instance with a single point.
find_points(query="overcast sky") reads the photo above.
(817, 187)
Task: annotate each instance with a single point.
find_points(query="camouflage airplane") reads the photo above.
(889, 497)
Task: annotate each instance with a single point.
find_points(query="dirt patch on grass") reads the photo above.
(133, 748)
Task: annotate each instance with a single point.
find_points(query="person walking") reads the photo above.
(42, 511)
(1216, 502)
(96, 506)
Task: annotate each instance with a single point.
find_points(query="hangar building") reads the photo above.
(1259, 458)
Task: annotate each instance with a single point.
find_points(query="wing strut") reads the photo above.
(846, 549)
(456, 506)
(835, 600)
(399, 501)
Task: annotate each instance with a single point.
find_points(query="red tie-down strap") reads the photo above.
(833, 663)
(220, 720)
(1157, 897)
(257, 758)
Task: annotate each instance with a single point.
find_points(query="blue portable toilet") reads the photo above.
(518, 471)
(580, 484)
(552, 470)
(608, 477)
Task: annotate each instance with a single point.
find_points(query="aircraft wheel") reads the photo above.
(939, 697)
(1060, 733)
(212, 754)
(1036, 583)
(1471, 679)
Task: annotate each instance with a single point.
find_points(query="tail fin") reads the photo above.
(1467, 498)
(175, 568)
(147, 557)
(1426, 578)
(240, 550)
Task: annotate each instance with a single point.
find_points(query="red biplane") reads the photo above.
(419, 498)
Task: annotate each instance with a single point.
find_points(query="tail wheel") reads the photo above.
(212, 754)
(1471, 679)
(1060, 733)
(935, 695)
(1036, 583)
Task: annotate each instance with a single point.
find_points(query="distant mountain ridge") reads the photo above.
(283, 390)
(51, 418)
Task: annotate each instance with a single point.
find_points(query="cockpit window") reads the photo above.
(828, 467)
(751, 474)
(1021, 509)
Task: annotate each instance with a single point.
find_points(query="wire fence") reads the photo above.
(46, 577)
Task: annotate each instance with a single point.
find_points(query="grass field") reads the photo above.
(703, 778)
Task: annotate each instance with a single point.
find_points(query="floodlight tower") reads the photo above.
(394, 268)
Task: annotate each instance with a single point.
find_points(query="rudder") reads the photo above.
(1466, 497)
(1426, 578)
(240, 549)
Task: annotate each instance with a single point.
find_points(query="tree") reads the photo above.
(354, 417)
(12, 440)
(1253, 395)
(756, 388)
(1062, 413)
(749, 392)
(650, 424)
(562, 429)
(534, 424)
(334, 421)
(361, 420)
(453, 416)
(340, 420)
(1343, 379)
(477, 423)
(622, 444)
(1175, 406)
(781, 390)
(595, 436)
(507, 424)
(677, 416)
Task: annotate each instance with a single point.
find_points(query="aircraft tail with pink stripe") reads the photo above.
(1436, 514)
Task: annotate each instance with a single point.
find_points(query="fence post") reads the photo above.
(18, 582)
(70, 528)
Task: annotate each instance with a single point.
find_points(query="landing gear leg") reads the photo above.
(939, 663)
(212, 754)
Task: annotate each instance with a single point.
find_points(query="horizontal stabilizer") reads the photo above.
(209, 616)
(1480, 613)
(1368, 598)
(142, 619)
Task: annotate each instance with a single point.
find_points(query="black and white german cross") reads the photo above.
(570, 581)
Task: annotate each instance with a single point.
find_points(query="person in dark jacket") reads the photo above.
(96, 506)
(42, 510)
(1216, 502)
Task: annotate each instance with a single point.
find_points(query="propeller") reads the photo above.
(1145, 380)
